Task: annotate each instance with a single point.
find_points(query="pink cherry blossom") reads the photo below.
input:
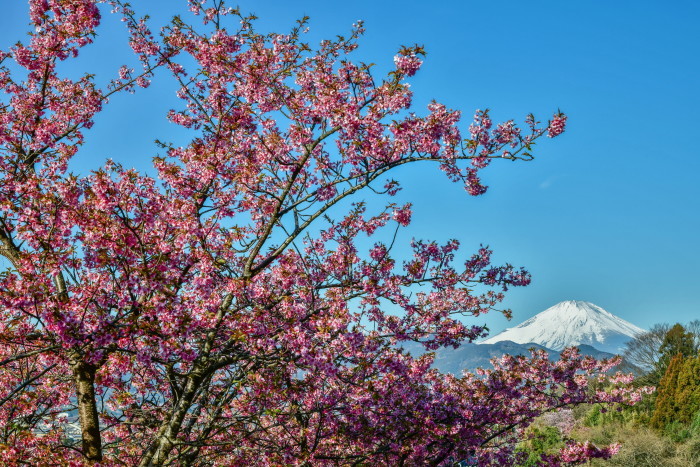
(407, 63)
(556, 125)
(228, 306)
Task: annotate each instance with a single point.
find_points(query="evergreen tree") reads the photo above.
(665, 408)
(677, 340)
(687, 398)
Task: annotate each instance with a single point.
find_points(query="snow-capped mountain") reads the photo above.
(569, 323)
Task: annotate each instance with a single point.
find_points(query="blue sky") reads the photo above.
(608, 212)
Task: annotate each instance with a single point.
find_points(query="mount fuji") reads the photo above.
(570, 323)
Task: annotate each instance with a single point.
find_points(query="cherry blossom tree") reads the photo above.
(223, 312)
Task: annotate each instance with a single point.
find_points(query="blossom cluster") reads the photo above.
(229, 306)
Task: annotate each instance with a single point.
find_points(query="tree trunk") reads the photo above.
(165, 439)
(84, 376)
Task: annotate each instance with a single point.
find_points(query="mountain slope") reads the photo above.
(569, 323)
(472, 356)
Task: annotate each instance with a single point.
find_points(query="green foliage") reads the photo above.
(650, 353)
(676, 341)
(665, 408)
(541, 440)
(677, 432)
(664, 428)
(678, 395)
(599, 416)
(688, 390)
(695, 425)
(675, 445)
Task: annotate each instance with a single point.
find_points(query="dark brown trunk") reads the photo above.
(84, 376)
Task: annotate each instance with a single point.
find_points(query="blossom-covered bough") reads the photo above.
(223, 311)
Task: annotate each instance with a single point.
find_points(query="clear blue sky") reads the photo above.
(608, 212)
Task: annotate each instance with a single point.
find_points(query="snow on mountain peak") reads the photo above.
(572, 322)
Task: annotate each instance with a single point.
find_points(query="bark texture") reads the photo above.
(84, 376)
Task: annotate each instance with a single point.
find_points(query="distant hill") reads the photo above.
(472, 356)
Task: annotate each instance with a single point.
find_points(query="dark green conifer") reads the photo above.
(665, 409)
(687, 398)
(676, 341)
